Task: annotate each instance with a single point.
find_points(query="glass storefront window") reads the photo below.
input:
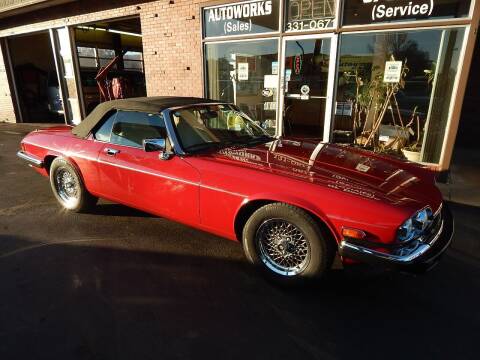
(394, 90)
(308, 15)
(246, 74)
(305, 86)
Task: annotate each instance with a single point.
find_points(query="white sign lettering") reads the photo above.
(242, 73)
(386, 11)
(356, 12)
(240, 11)
(393, 72)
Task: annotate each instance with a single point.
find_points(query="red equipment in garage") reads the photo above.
(114, 89)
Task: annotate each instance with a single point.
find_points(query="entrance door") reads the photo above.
(307, 86)
(62, 47)
(31, 66)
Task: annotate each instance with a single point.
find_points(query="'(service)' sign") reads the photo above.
(360, 12)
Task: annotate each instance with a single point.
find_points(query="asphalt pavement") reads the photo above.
(118, 283)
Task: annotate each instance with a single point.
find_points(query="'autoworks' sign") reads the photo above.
(249, 17)
(358, 12)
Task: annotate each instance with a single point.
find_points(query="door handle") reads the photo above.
(111, 152)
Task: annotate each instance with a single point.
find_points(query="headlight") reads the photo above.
(415, 226)
(406, 232)
(423, 219)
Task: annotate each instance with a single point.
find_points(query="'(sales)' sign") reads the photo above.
(360, 12)
(243, 18)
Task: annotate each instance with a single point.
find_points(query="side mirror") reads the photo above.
(152, 145)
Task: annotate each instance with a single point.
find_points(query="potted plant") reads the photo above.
(412, 151)
(378, 122)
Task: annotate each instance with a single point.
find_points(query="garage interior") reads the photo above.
(36, 80)
(117, 46)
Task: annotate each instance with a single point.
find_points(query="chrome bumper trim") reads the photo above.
(34, 161)
(421, 249)
(425, 251)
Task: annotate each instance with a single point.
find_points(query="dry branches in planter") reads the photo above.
(374, 99)
(412, 151)
(387, 102)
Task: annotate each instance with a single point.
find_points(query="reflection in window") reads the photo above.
(305, 85)
(104, 131)
(131, 128)
(408, 115)
(201, 126)
(246, 74)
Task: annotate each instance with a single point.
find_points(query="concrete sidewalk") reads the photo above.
(462, 191)
(463, 184)
(25, 128)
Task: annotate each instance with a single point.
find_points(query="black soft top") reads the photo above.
(145, 104)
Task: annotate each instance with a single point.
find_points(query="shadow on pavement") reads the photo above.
(107, 209)
(88, 301)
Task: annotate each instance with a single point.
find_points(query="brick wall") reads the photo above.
(7, 113)
(172, 47)
(171, 40)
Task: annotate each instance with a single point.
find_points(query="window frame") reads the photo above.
(175, 131)
(98, 59)
(453, 100)
(278, 39)
(117, 111)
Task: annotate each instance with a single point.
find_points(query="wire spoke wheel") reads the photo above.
(283, 247)
(66, 185)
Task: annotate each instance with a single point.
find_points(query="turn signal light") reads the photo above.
(353, 233)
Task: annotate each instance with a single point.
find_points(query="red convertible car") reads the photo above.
(293, 203)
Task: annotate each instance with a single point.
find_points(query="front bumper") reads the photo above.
(418, 257)
(32, 160)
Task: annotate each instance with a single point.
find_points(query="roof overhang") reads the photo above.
(15, 7)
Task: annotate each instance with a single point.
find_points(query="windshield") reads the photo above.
(210, 126)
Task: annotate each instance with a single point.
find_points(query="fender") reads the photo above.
(291, 200)
(71, 160)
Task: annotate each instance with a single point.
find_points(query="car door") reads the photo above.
(141, 179)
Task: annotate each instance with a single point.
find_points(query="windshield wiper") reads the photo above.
(203, 146)
(260, 139)
(248, 141)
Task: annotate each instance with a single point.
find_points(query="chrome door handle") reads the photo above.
(111, 152)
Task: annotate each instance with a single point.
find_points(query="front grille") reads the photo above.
(434, 228)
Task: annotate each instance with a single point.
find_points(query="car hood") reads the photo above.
(344, 168)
